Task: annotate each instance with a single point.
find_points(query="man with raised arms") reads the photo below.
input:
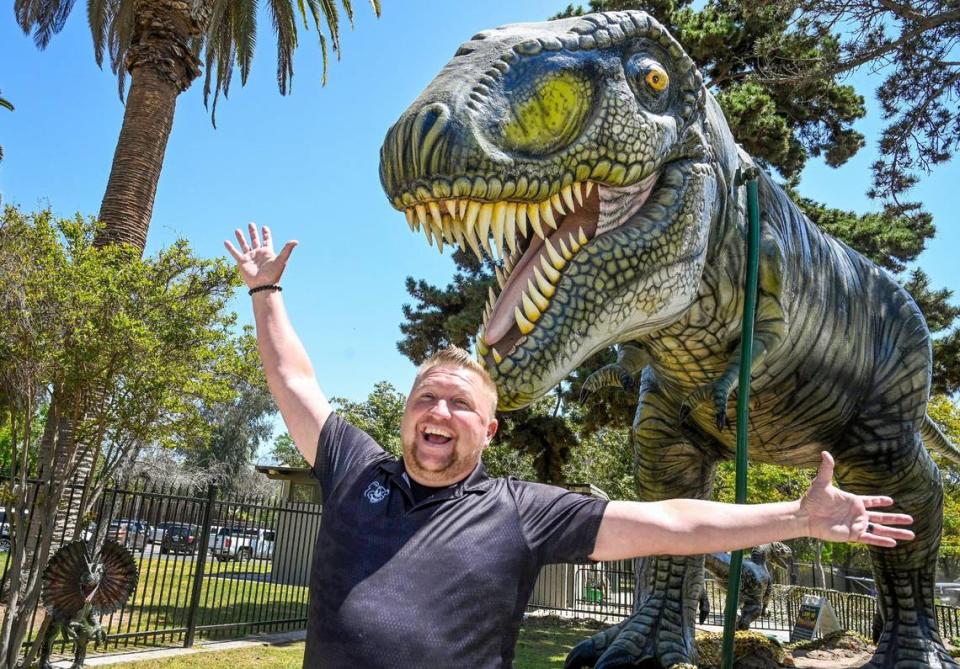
(425, 561)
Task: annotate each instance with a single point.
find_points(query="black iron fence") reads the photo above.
(210, 566)
(606, 591)
(214, 566)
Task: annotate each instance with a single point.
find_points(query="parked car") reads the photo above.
(157, 532)
(180, 538)
(130, 533)
(241, 543)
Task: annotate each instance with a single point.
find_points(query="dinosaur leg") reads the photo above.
(749, 611)
(46, 646)
(660, 632)
(905, 575)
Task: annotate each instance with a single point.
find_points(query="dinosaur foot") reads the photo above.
(904, 646)
(651, 639)
(718, 392)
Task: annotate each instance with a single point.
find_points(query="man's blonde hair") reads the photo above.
(454, 356)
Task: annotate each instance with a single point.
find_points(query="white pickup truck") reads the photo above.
(240, 543)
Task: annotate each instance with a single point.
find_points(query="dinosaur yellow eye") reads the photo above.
(657, 79)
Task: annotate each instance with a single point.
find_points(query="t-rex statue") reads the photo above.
(591, 154)
(78, 589)
(756, 581)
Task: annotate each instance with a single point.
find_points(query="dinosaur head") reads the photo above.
(578, 153)
(779, 554)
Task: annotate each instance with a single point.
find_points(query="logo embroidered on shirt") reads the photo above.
(375, 492)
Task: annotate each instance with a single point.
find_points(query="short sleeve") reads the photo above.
(558, 525)
(342, 448)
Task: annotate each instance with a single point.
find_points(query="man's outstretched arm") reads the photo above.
(692, 527)
(288, 370)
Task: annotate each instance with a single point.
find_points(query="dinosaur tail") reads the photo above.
(937, 442)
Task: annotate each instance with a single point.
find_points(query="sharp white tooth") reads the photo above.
(483, 226)
(438, 234)
(533, 212)
(574, 246)
(451, 207)
(555, 258)
(577, 194)
(548, 269)
(564, 250)
(482, 345)
(435, 213)
(501, 279)
(422, 214)
(496, 356)
(497, 223)
(546, 214)
(474, 246)
(462, 208)
(410, 220)
(535, 295)
(448, 230)
(458, 233)
(525, 326)
(522, 219)
(581, 237)
(508, 263)
(530, 309)
(469, 227)
(510, 229)
(545, 286)
(557, 203)
(587, 187)
(491, 297)
(567, 194)
(428, 234)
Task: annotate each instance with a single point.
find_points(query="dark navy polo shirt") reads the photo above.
(438, 584)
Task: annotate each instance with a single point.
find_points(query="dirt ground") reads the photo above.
(830, 659)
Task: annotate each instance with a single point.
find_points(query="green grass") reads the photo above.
(543, 644)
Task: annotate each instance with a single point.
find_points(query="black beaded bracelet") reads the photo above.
(259, 288)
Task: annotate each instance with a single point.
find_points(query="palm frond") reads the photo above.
(6, 104)
(376, 7)
(245, 36)
(119, 35)
(285, 25)
(44, 17)
(98, 12)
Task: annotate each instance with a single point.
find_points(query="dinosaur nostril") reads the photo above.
(428, 128)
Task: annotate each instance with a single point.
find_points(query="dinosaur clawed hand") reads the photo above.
(719, 392)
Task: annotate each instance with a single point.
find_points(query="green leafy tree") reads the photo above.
(240, 422)
(379, 415)
(285, 452)
(131, 346)
(163, 46)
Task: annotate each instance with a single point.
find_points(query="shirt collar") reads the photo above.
(477, 481)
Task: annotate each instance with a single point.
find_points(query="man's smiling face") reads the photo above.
(448, 421)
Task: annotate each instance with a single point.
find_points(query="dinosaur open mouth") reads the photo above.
(530, 244)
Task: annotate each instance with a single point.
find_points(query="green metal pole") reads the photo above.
(743, 401)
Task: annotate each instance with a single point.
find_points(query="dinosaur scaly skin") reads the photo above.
(756, 582)
(591, 154)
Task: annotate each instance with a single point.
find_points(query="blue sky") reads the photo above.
(306, 165)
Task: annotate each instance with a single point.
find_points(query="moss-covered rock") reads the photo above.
(751, 650)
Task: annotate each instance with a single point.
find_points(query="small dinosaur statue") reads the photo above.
(78, 589)
(756, 581)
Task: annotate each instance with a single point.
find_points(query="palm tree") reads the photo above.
(163, 45)
(6, 105)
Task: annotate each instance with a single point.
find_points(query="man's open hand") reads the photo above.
(258, 263)
(835, 515)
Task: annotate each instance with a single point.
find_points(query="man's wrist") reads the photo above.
(269, 287)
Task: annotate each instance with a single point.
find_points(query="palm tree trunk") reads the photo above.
(128, 202)
(161, 65)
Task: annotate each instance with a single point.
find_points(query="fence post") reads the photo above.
(201, 561)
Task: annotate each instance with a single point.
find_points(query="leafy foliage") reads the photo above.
(285, 453)
(137, 345)
(379, 415)
(239, 422)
